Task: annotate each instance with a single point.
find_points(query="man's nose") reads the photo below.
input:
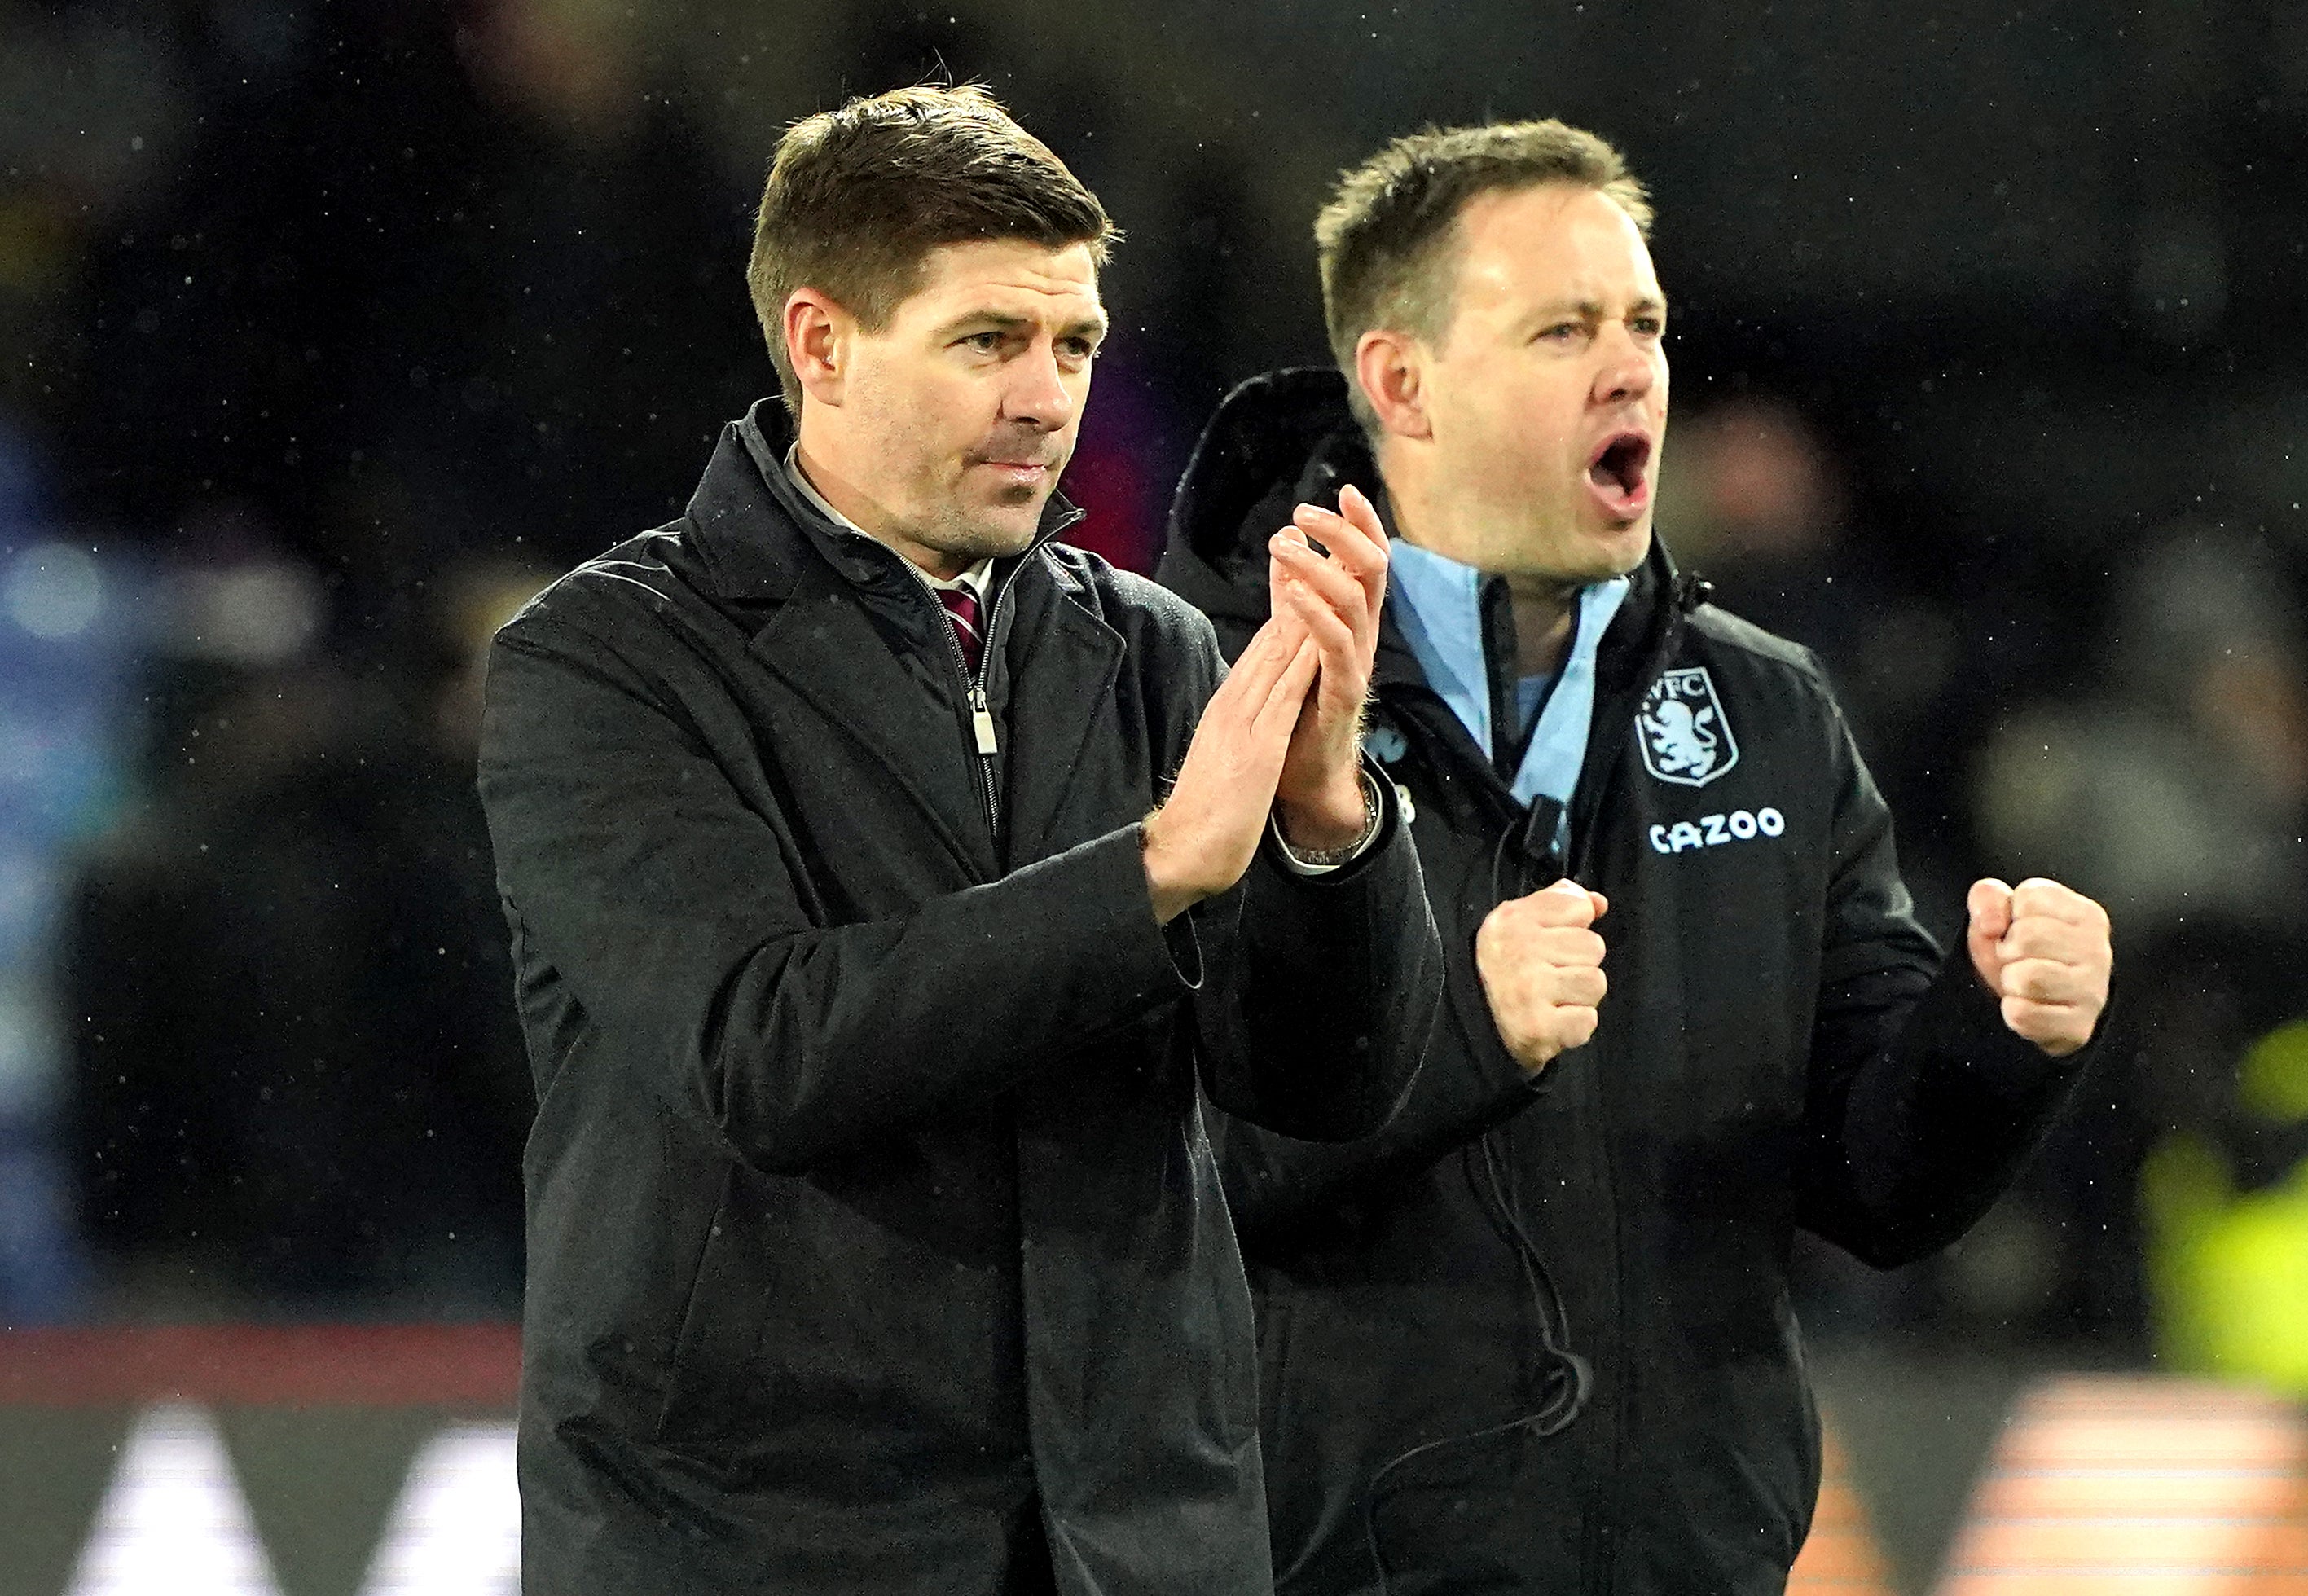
(1627, 371)
(1038, 393)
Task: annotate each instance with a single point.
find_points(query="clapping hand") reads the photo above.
(1336, 599)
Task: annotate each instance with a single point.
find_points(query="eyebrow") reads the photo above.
(1592, 309)
(1080, 327)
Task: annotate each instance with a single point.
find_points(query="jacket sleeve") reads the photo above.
(1315, 1025)
(670, 908)
(1921, 1105)
(1469, 1083)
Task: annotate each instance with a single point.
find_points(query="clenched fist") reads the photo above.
(1542, 969)
(2043, 951)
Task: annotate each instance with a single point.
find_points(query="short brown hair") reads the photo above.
(1384, 239)
(857, 198)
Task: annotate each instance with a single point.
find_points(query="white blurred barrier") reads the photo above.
(173, 1521)
(2120, 1486)
(2127, 1486)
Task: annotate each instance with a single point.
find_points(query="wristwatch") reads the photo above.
(1340, 856)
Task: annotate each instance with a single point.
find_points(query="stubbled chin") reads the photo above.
(1008, 529)
(1619, 549)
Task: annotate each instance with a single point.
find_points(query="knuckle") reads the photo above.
(2031, 938)
(2040, 894)
(2030, 978)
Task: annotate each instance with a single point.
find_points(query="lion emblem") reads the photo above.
(1686, 738)
(1680, 739)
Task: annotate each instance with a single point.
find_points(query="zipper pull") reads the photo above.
(981, 720)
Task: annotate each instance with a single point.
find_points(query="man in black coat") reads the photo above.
(875, 1243)
(1536, 1336)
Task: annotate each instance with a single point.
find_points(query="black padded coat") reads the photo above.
(1779, 1048)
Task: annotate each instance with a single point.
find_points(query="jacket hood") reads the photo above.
(1276, 442)
(1289, 438)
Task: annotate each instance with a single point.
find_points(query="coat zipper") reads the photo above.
(1603, 1538)
(1599, 1547)
(981, 715)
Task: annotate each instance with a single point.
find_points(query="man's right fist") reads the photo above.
(1542, 969)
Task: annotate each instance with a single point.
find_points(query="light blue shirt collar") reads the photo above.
(1438, 606)
(1558, 744)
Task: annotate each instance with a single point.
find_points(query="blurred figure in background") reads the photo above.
(450, 250)
(1759, 507)
(2224, 1190)
(2178, 792)
(299, 1084)
(65, 630)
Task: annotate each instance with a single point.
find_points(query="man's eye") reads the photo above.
(1079, 349)
(1562, 331)
(987, 341)
(1649, 326)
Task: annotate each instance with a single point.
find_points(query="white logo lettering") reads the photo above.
(1740, 825)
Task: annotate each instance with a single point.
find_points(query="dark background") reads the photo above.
(328, 330)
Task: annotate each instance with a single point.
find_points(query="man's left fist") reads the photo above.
(2043, 949)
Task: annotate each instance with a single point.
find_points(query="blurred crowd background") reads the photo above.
(330, 328)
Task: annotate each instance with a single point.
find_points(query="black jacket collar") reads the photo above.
(843, 621)
(760, 533)
(1287, 437)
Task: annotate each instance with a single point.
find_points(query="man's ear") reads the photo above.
(820, 336)
(1388, 367)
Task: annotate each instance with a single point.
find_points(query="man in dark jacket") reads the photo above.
(1534, 1337)
(875, 1243)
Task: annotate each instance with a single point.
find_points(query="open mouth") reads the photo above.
(1619, 470)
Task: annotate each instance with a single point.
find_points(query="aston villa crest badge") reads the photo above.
(1686, 738)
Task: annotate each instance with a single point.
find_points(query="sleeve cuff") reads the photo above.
(1373, 818)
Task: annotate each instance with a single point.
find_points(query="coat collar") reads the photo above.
(843, 621)
(1289, 436)
(759, 532)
